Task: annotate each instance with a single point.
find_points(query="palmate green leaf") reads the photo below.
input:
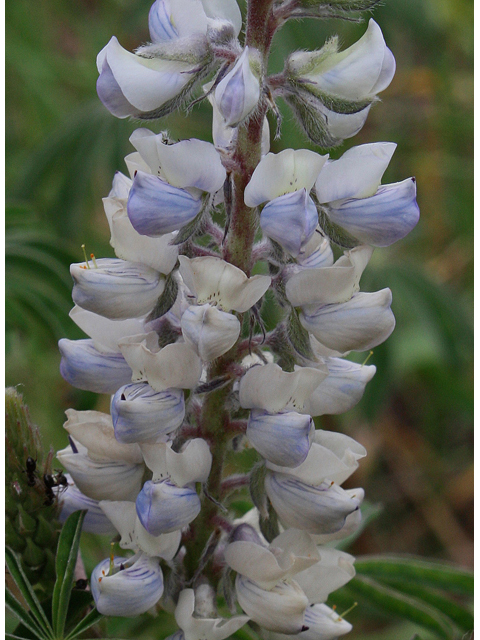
(434, 574)
(15, 568)
(67, 552)
(24, 616)
(394, 603)
(88, 621)
(458, 614)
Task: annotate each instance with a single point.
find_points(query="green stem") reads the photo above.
(238, 246)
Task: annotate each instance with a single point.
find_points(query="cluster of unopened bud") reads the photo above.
(171, 324)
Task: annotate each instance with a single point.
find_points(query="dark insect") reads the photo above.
(49, 482)
(31, 466)
(81, 584)
(60, 479)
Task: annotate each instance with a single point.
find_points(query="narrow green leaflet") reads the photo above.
(398, 604)
(26, 589)
(458, 614)
(25, 618)
(89, 620)
(434, 574)
(67, 552)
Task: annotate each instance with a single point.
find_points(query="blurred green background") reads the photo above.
(63, 148)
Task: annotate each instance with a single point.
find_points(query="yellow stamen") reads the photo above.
(111, 567)
(85, 256)
(355, 604)
(92, 256)
(367, 358)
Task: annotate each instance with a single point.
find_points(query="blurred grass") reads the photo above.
(63, 148)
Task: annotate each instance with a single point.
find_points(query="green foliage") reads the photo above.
(54, 619)
(409, 588)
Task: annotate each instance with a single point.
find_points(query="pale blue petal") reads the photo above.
(131, 591)
(141, 414)
(281, 438)
(382, 219)
(163, 507)
(316, 509)
(155, 207)
(290, 220)
(71, 499)
(84, 367)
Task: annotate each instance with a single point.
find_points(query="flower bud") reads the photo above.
(280, 609)
(129, 588)
(359, 72)
(290, 220)
(84, 367)
(282, 438)
(238, 93)
(156, 208)
(209, 331)
(71, 499)
(361, 323)
(152, 83)
(141, 414)
(316, 509)
(195, 627)
(102, 479)
(163, 507)
(116, 289)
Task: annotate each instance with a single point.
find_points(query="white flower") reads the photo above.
(199, 628)
(330, 284)
(342, 388)
(270, 388)
(282, 438)
(104, 479)
(323, 624)
(116, 289)
(289, 553)
(94, 430)
(176, 365)
(361, 323)
(162, 507)
(141, 414)
(132, 587)
(237, 94)
(332, 456)
(191, 464)
(316, 509)
(359, 72)
(222, 284)
(357, 174)
(209, 331)
(71, 499)
(280, 173)
(123, 517)
(333, 570)
(188, 163)
(144, 86)
(156, 253)
(279, 609)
